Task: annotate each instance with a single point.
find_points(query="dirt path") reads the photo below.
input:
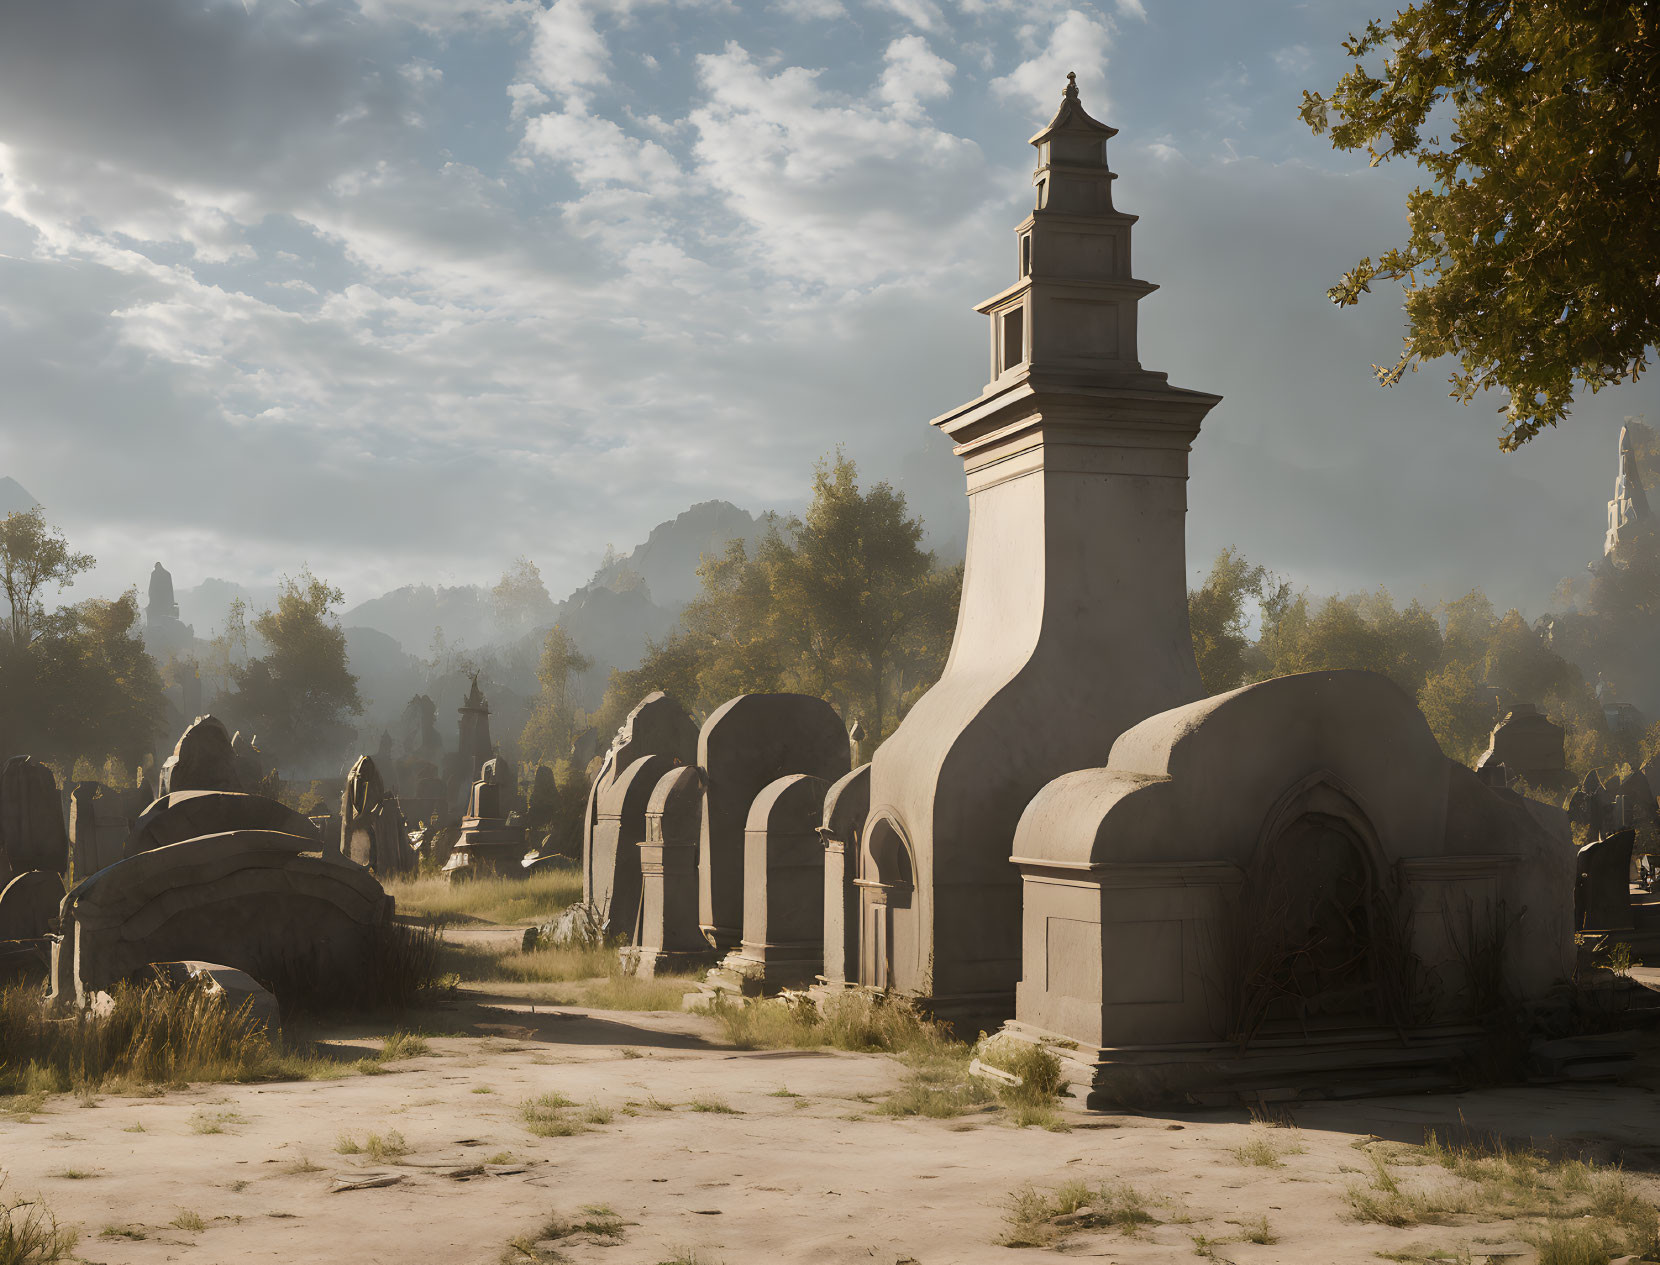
(815, 1178)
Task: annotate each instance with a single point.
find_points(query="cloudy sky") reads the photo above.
(406, 288)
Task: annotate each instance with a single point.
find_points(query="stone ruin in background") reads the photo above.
(207, 875)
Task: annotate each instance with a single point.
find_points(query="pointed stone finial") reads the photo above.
(1071, 93)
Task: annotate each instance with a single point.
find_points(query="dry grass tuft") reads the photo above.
(535, 898)
(151, 1033)
(596, 1224)
(546, 1117)
(204, 1121)
(1039, 1218)
(30, 1234)
(1263, 1150)
(188, 1220)
(847, 1021)
(715, 1104)
(403, 1045)
(1573, 1211)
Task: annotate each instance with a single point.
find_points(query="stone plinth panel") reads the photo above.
(782, 944)
(746, 744)
(846, 806)
(619, 829)
(670, 939)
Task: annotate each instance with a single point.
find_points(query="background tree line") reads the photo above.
(79, 691)
(842, 602)
(76, 686)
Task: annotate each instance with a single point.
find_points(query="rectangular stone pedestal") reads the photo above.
(486, 850)
(762, 970)
(1350, 1063)
(645, 961)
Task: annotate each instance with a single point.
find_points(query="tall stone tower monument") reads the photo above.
(1073, 624)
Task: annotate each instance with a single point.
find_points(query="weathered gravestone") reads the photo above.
(489, 845)
(246, 760)
(846, 806)
(1638, 807)
(202, 760)
(29, 905)
(746, 744)
(657, 726)
(100, 819)
(619, 829)
(782, 943)
(1529, 745)
(372, 831)
(32, 836)
(669, 936)
(1602, 886)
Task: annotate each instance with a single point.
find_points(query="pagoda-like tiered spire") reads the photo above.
(1073, 310)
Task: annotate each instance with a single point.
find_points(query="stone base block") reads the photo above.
(1354, 1063)
(648, 962)
(487, 853)
(967, 1014)
(761, 972)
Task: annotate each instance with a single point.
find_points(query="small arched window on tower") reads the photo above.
(1014, 338)
(1025, 254)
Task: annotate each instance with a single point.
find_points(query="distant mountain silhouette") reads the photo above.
(411, 614)
(14, 498)
(668, 560)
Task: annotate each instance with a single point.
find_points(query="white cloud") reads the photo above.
(526, 98)
(811, 10)
(1077, 43)
(567, 52)
(914, 73)
(597, 151)
(925, 15)
(441, 16)
(1294, 59)
(839, 191)
(1132, 9)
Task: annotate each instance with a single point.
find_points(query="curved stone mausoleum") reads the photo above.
(1286, 883)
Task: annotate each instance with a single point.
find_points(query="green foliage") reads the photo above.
(843, 603)
(1217, 613)
(296, 697)
(82, 688)
(75, 684)
(1532, 256)
(520, 599)
(554, 717)
(33, 555)
(1463, 663)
